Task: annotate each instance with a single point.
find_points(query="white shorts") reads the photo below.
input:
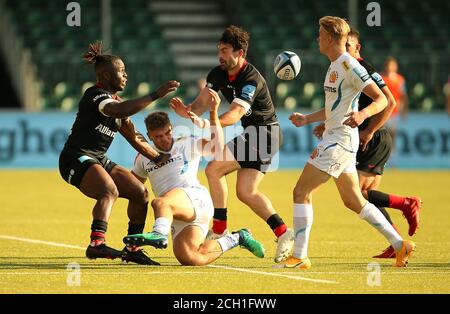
(333, 159)
(203, 207)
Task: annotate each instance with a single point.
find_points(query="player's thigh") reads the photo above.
(97, 182)
(349, 190)
(222, 166)
(128, 185)
(310, 179)
(248, 180)
(187, 243)
(180, 203)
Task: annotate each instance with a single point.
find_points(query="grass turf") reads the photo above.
(39, 205)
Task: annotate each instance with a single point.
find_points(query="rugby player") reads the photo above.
(250, 153)
(182, 204)
(83, 162)
(375, 146)
(335, 155)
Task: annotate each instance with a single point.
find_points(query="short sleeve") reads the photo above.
(376, 77)
(246, 94)
(138, 167)
(101, 99)
(359, 77)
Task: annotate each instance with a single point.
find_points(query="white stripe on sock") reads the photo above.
(373, 216)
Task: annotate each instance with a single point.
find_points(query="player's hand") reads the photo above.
(355, 118)
(162, 158)
(180, 108)
(298, 119)
(215, 99)
(318, 130)
(166, 88)
(365, 137)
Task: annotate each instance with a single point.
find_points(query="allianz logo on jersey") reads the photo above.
(105, 130)
(169, 161)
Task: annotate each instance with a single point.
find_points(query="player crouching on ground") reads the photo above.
(182, 202)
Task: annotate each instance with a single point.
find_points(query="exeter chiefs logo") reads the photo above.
(249, 112)
(333, 76)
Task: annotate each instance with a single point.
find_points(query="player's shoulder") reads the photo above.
(251, 71)
(217, 71)
(94, 93)
(347, 62)
(366, 65)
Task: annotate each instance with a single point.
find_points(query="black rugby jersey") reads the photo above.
(249, 88)
(365, 100)
(92, 132)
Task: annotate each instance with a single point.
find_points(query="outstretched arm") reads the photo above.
(128, 108)
(216, 145)
(299, 119)
(138, 141)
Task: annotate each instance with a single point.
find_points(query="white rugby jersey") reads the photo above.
(179, 171)
(345, 80)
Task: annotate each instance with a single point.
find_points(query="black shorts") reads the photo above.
(256, 146)
(73, 166)
(377, 153)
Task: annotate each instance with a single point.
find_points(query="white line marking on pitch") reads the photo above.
(42, 242)
(214, 266)
(273, 274)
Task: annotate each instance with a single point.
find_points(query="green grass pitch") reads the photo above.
(37, 205)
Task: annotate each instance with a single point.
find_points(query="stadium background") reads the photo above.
(42, 78)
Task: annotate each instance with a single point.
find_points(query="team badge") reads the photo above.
(333, 76)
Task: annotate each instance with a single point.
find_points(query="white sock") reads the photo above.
(162, 225)
(228, 241)
(303, 219)
(373, 216)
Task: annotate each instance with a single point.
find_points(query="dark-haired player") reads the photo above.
(83, 161)
(375, 149)
(182, 203)
(250, 153)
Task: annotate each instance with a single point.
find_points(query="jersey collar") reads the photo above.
(231, 78)
(100, 85)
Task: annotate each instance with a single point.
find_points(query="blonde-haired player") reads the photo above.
(335, 155)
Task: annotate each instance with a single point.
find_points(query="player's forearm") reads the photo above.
(137, 140)
(200, 104)
(129, 107)
(229, 118)
(217, 137)
(380, 119)
(378, 104)
(316, 116)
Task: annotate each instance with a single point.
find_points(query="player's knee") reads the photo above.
(244, 195)
(211, 170)
(158, 203)
(143, 194)
(110, 192)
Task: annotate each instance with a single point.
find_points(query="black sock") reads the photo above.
(135, 228)
(274, 221)
(99, 226)
(98, 230)
(386, 214)
(220, 213)
(377, 198)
